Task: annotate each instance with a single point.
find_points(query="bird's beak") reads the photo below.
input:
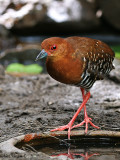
(41, 55)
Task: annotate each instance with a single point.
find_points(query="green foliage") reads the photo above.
(20, 68)
(117, 54)
(116, 49)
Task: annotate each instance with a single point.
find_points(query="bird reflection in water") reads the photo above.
(71, 155)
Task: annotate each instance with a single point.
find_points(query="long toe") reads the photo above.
(78, 125)
(92, 124)
(61, 128)
(86, 121)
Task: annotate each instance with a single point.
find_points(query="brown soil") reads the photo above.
(39, 103)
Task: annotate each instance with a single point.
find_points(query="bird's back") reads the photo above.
(97, 57)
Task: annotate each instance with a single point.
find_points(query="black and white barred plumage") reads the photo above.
(97, 66)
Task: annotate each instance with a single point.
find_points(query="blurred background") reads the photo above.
(31, 102)
(25, 23)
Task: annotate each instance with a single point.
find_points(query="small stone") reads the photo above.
(50, 103)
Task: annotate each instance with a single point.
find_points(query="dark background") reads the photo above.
(44, 18)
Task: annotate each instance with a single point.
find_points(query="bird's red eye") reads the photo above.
(53, 47)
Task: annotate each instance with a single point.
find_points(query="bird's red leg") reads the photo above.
(69, 125)
(86, 118)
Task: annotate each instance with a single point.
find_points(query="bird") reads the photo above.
(77, 61)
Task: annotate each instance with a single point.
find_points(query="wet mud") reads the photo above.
(38, 104)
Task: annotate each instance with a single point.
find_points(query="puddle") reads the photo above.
(83, 148)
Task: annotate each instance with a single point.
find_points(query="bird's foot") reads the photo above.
(86, 121)
(61, 128)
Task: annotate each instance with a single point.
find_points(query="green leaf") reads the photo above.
(20, 68)
(33, 68)
(116, 49)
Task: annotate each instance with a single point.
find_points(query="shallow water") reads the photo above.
(82, 148)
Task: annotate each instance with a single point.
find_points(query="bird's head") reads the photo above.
(53, 47)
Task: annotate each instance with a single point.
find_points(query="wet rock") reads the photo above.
(79, 14)
(16, 55)
(6, 39)
(2, 71)
(22, 13)
(111, 10)
(21, 54)
(115, 74)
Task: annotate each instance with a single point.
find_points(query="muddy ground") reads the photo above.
(39, 103)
